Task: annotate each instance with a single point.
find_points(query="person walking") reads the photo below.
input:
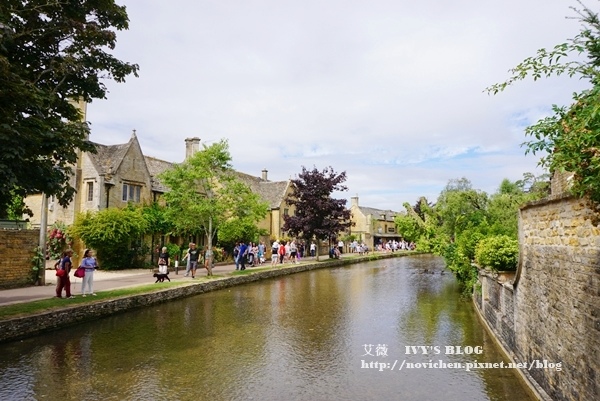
(192, 255)
(163, 261)
(90, 264)
(313, 249)
(242, 255)
(187, 260)
(62, 279)
(208, 261)
(274, 253)
(281, 252)
(293, 252)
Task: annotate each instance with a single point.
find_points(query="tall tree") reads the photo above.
(459, 207)
(204, 194)
(317, 214)
(51, 53)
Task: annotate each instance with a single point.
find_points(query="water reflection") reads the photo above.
(296, 338)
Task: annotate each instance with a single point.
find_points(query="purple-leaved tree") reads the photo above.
(317, 215)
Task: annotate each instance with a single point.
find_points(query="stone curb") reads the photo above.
(27, 326)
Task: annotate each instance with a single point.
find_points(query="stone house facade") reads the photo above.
(373, 226)
(119, 174)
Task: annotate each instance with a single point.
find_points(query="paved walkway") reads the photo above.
(103, 281)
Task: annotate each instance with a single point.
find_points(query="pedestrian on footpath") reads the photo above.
(241, 258)
(193, 254)
(274, 253)
(62, 279)
(208, 261)
(186, 257)
(90, 264)
(163, 261)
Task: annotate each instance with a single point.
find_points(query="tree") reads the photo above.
(317, 214)
(51, 54)
(569, 140)
(111, 232)
(459, 207)
(204, 194)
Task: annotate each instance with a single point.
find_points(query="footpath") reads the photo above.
(110, 280)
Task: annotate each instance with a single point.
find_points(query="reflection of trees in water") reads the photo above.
(442, 316)
(288, 329)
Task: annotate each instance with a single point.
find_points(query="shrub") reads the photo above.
(499, 253)
(114, 234)
(174, 252)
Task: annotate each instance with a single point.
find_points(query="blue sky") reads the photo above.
(390, 91)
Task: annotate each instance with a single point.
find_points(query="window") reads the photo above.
(391, 229)
(286, 212)
(131, 193)
(90, 191)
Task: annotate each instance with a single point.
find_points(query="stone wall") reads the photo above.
(17, 248)
(550, 310)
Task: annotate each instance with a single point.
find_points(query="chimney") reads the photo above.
(354, 201)
(192, 145)
(264, 174)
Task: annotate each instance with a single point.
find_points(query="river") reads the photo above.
(393, 329)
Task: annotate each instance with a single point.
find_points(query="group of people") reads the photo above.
(289, 251)
(63, 271)
(251, 254)
(393, 245)
(193, 258)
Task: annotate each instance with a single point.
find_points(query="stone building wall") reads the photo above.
(550, 310)
(17, 248)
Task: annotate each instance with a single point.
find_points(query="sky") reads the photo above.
(391, 92)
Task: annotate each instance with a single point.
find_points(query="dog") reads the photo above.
(161, 277)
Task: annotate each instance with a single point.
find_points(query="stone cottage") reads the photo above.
(371, 225)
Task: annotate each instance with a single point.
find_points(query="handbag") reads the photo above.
(60, 273)
(80, 272)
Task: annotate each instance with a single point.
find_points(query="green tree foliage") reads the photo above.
(412, 224)
(50, 53)
(459, 207)
(317, 214)
(463, 217)
(156, 219)
(205, 195)
(499, 252)
(569, 140)
(113, 233)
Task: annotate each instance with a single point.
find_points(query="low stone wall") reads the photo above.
(17, 248)
(17, 328)
(550, 310)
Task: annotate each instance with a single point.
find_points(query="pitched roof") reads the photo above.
(273, 192)
(108, 158)
(377, 213)
(155, 167)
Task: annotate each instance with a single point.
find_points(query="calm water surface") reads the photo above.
(301, 337)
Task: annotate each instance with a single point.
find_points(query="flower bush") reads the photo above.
(58, 240)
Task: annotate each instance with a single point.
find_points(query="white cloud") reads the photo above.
(389, 91)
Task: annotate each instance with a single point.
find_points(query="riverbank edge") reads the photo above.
(526, 378)
(22, 327)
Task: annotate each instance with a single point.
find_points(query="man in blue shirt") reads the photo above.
(242, 255)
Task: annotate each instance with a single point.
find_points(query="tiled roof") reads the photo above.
(273, 192)
(108, 157)
(155, 167)
(377, 213)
